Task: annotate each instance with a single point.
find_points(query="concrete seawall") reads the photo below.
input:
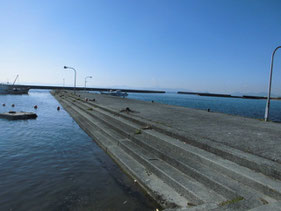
(84, 88)
(185, 159)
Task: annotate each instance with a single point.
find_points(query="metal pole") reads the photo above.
(86, 80)
(65, 67)
(266, 115)
(74, 81)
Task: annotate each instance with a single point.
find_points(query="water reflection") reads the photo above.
(51, 164)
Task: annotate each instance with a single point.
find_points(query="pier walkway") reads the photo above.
(186, 159)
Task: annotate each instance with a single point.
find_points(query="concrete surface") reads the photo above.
(186, 159)
(250, 135)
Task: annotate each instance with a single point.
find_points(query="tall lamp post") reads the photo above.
(266, 116)
(86, 80)
(65, 67)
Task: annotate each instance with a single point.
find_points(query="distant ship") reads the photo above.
(117, 93)
(7, 89)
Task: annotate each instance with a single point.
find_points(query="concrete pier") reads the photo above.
(186, 159)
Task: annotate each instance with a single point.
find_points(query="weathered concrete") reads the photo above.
(246, 134)
(274, 206)
(185, 158)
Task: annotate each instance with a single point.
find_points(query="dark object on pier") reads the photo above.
(152, 101)
(147, 127)
(127, 109)
(13, 115)
(209, 110)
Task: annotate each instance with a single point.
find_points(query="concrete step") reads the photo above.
(92, 128)
(131, 127)
(249, 202)
(257, 163)
(187, 186)
(166, 196)
(274, 206)
(209, 176)
(160, 191)
(231, 169)
(97, 123)
(179, 153)
(166, 152)
(221, 183)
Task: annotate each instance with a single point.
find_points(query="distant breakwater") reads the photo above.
(227, 95)
(87, 89)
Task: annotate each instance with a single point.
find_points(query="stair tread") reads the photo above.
(148, 155)
(210, 158)
(255, 162)
(204, 155)
(215, 159)
(189, 183)
(155, 187)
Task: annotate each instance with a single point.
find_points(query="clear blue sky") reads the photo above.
(217, 46)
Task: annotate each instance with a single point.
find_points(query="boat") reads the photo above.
(13, 115)
(117, 93)
(12, 90)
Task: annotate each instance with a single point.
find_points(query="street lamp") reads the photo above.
(266, 115)
(65, 67)
(86, 80)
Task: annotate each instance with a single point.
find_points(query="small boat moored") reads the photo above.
(12, 90)
(117, 93)
(13, 115)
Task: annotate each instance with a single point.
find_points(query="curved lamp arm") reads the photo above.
(86, 80)
(66, 67)
(266, 115)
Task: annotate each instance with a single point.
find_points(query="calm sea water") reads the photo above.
(51, 164)
(243, 107)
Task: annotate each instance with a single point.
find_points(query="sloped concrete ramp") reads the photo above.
(185, 159)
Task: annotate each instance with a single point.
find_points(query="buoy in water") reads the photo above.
(3, 104)
(58, 108)
(13, 105)
(35, 107)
